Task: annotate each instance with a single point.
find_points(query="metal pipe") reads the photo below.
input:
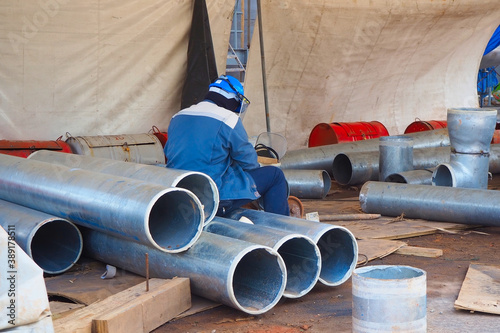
(436, 203)
(464, 170)
(300, 254)
(54, 244)
(245, 276)
(470, 131)
(308, 184)
(199, 183)
(321, 158)
(417, 177)
(170, 219)
(356, 168)
(395, 155)
(337, 245)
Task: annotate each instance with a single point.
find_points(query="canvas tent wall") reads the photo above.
(117, 66)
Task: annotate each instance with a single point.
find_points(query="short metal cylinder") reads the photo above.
(300, 254)
(396, 155)
(464, 170)
(422, 177)
(170, 219)
(54, 244)
(337, 245)
(435, 203)
(389, 299)
(199, 183)
(308, 184)
(245, 276)
(140, 148)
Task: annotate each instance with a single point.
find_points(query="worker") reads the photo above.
(209, 137)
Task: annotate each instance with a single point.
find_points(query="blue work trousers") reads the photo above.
(273, 188)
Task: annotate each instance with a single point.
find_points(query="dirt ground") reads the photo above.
(329, 309)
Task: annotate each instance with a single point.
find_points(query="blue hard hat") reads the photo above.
(229, 84)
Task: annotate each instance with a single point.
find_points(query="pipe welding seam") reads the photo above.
(54, 244)
(337, 245)
(167, 218)
(199, 183)
(242, 275)
(301, 255)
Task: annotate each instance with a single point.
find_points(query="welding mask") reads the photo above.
(233, 87)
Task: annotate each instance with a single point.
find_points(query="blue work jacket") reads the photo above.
(210, 139)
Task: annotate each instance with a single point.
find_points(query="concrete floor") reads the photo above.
(328, 309)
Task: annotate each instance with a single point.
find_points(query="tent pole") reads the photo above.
(263, 62)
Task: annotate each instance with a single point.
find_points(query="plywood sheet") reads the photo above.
(481, 289)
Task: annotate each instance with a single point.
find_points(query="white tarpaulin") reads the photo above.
(110, 67)
(23, 297)
(96, 67)
(347, 61)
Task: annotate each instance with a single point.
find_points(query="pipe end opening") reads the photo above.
(259, 281)
(56, 246)
(342, 169)
(176, 220)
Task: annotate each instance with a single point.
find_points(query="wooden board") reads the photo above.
(391, 228)
(371, 249)
(131, 306)
(420, 251)
(480, 290)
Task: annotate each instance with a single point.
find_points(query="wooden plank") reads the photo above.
(348, 217)
(61, 309)
(420, 251)
(81, 320)
(371, 249)
(480, 290)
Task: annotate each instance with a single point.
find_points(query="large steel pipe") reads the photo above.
(337, 245)
(245, 276)
(470, 133)
(54, 244)
(308, 184)
(396, 154)
(321, 158)
(300, 254)
(170, 219)
(199, 183)
(436, 203)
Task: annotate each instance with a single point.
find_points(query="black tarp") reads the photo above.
(201, 65)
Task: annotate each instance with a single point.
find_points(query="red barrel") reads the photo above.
(327, 134)
(24, 148)
(420, 126)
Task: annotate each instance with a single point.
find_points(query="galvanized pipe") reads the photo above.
(395, 155)
(170, 219)
(357, 168)
(417, 177)
(199, 183)
(470, 133)
(300, 254)
(436, 203)
(321, 158)
(54, 244)
(308, 184)
(243, 275)
(337, 245)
